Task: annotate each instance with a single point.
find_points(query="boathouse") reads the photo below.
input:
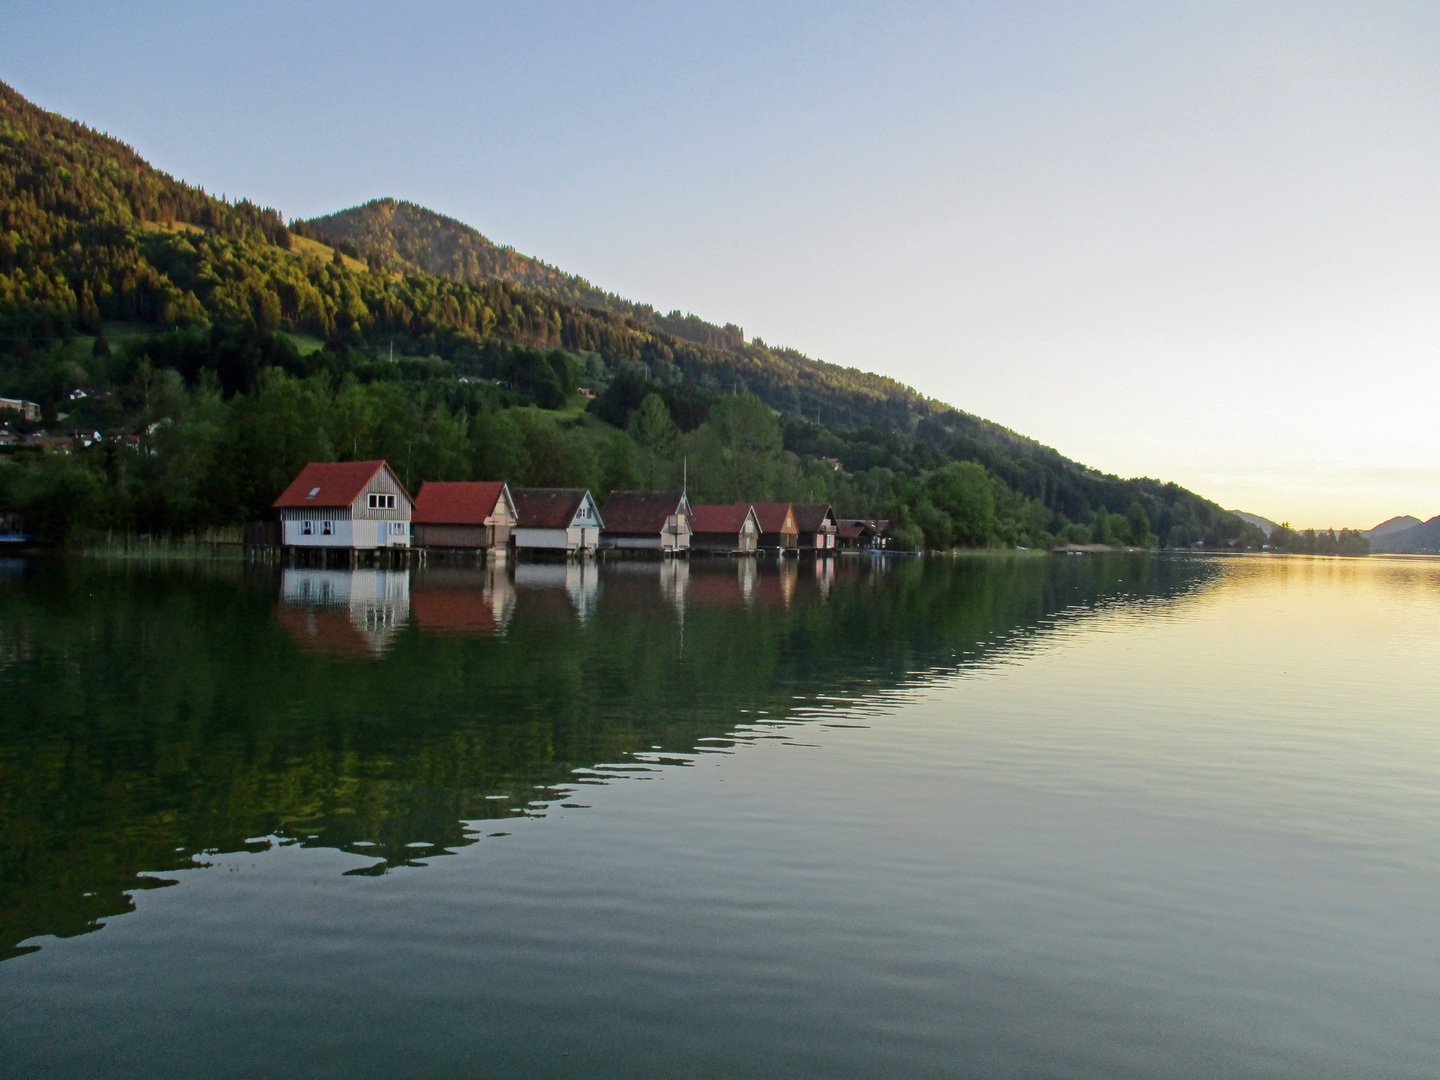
(354, 505)
(728, 529)
(854, 534)
(816, 527)
(647, 521)
(563, 521)
(476, 516)
(777, 527)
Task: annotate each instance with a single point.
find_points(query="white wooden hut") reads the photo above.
(355, 505)
(564, 521)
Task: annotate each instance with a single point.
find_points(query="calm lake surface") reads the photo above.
(1100, 816)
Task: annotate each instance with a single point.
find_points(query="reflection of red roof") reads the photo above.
(811, 517)
(547, 508)
(776, 588)
(324, 632)
(640, 511)
(452, 611)
(771, 516)
(446, 503)
(332, 483)
(715, 590)
(710, 518)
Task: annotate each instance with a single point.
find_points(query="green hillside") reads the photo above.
(192, 325)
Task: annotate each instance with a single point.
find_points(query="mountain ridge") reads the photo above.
(91, 233)
(1420, 539)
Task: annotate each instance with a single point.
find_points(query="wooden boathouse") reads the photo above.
(778, 532)
(725, 529)
(647, 521)
(816, 527)
(470, 517)
(561, 521)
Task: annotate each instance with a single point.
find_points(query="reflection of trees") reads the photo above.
(153, 716)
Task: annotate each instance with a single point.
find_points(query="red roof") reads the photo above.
(548, 508)
(640, 511)
(771, 516)
(718, 519)
(458, 503)
(332, 483)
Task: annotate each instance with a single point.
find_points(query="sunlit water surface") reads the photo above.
(1031, 817)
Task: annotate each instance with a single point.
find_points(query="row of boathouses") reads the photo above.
(361, 506)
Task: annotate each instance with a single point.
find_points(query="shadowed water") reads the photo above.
(1045, 816)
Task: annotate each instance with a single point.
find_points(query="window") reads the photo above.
(327, 528)
(382, 502)
(397, 528)
(307, 528)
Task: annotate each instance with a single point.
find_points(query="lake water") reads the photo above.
(1100, 816)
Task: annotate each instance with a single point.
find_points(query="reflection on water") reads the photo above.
(903, 816)
(578, 579)
(344, 611)
(142, 701)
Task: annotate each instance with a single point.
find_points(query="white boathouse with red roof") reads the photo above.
(359, 505)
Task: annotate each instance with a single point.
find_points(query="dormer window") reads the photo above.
(382, 502)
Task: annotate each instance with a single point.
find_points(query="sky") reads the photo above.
(1196, 241)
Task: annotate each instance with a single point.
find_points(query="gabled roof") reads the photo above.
(771, 516)
(549, 508)
(810, 517)
(641, 511)
(459, 502)
(727, 518)
(854, 528)
(333, 483)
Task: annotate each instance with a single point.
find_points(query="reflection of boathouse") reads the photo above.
(580, 581)
(471, 602)
(354, 612)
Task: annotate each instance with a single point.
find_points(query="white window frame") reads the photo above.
(307, 528)
(379, 501)
(327, 528)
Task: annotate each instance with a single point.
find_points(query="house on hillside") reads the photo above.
(27, 409)
(817, 527)
(729, 529)
(777, 527)
(564, 521)
(647, 521)
(465, 516)
(347, 505)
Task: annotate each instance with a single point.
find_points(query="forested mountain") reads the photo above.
(1419, 539)
(228, 349)
(1393, 525)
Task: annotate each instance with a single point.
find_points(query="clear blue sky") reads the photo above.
(1192, 240)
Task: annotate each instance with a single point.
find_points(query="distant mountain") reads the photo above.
(411, 239)
(1419, 539)
(1394, 525)
(1265, 525)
